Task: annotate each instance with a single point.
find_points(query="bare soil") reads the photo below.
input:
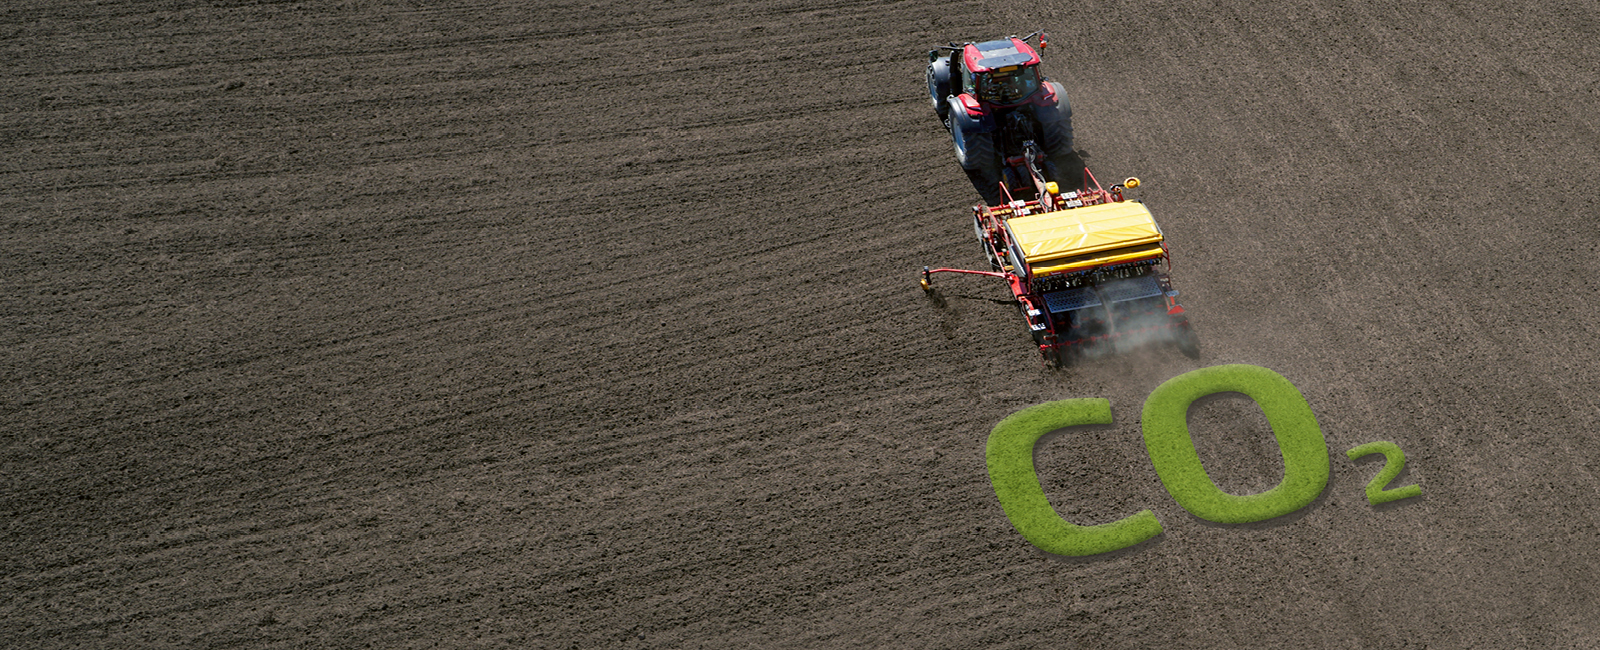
(579, 325)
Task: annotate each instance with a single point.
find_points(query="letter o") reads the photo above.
(1172, 451)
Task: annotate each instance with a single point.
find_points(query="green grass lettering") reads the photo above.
(1172, 451)
(1016, 483)
(1395, 460)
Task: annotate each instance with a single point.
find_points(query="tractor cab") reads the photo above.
(1002, 73)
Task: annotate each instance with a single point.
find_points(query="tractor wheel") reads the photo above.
(939, 86)
(976, 153)
(1055, 122)
(973, 150)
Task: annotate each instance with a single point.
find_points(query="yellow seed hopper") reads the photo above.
(1092, 236)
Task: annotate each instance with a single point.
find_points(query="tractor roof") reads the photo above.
(1085, 231)
(983, 57)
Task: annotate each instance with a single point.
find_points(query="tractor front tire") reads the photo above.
(939, 85)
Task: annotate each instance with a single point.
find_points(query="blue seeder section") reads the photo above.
(1115, 291)
(1131, 289)
(1071, 299)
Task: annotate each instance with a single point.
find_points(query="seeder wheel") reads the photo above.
(1188, 341)
(983, 240)
(1066, 356)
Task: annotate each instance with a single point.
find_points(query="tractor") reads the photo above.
(1004, 117)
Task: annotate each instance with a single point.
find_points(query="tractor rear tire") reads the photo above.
(982, 168)
(976, 154)
(973, 150)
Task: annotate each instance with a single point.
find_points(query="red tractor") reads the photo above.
(1005, 119)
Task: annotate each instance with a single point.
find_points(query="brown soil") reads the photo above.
(573, 325)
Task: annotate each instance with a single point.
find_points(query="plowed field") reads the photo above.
(562, 324)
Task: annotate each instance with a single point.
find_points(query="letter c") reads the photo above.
(1016, 483)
